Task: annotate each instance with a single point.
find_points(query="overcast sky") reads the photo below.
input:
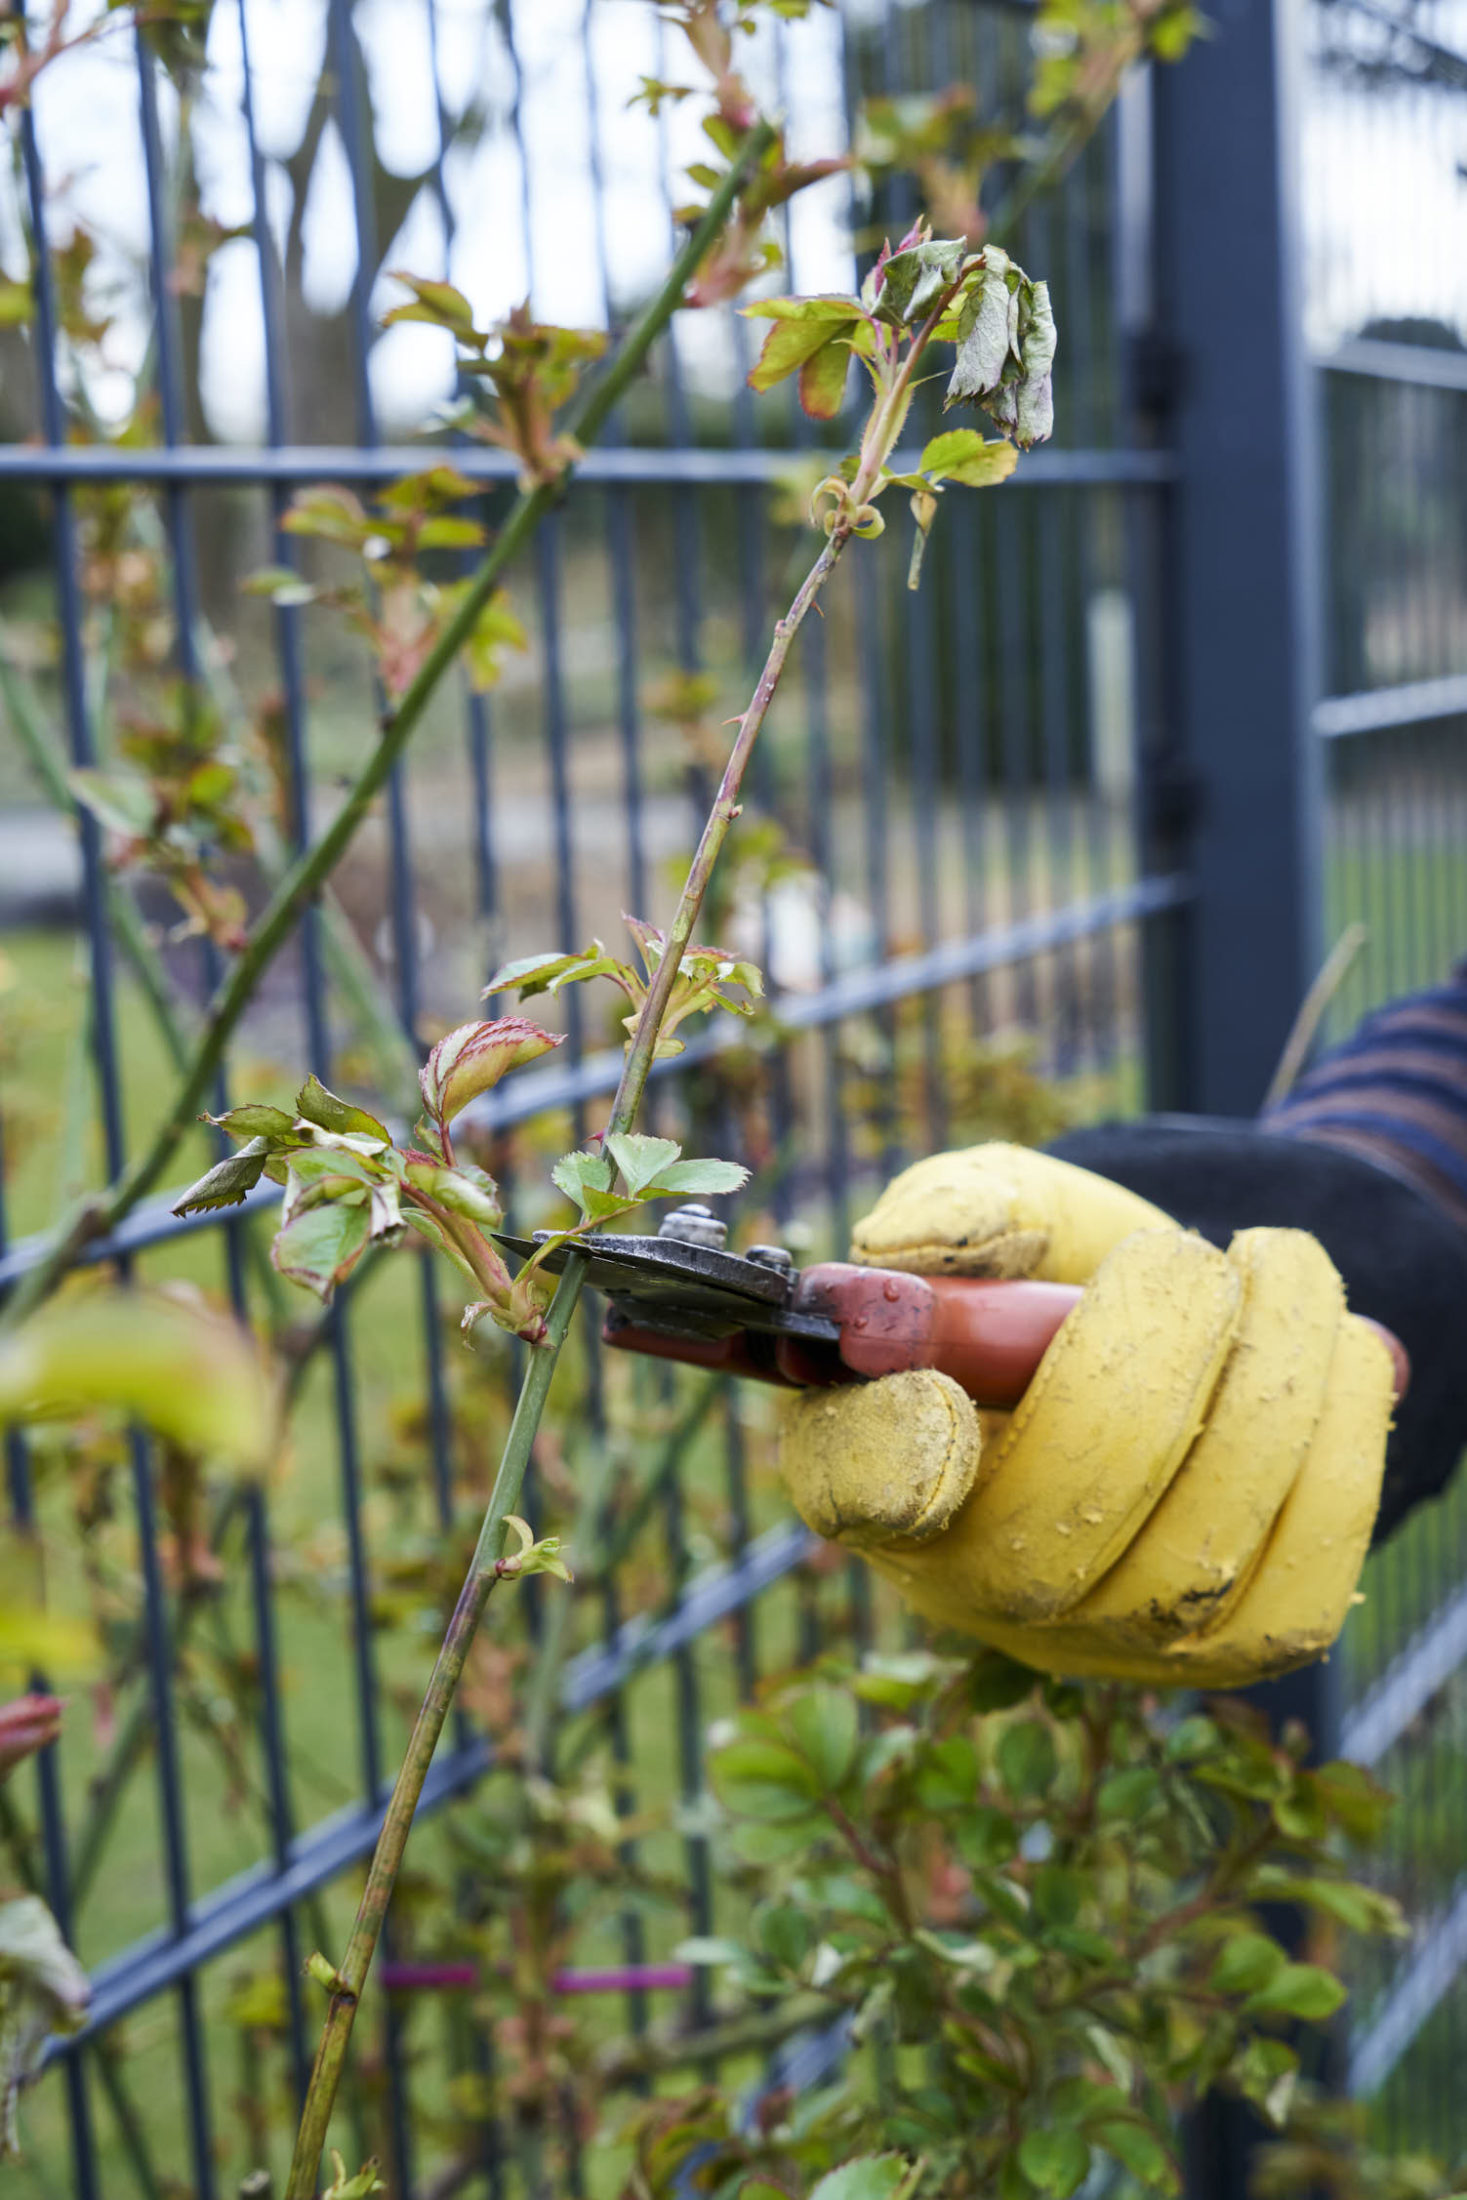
(1384, 190)
(1384, 175)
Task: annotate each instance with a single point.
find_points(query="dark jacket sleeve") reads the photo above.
(1403, 1260)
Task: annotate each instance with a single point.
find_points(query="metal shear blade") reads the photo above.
(672, 1284)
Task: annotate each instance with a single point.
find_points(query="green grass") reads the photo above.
(1413, 903)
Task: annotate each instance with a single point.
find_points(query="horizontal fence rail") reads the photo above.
(1419, 703)
(214, 466)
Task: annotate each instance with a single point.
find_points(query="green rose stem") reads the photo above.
(100, 1212)
(387, 1857)
(486, 1567)
(887, 419)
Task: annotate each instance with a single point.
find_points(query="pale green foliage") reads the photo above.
(950, 140)
(398, 609)
(1006, 344)
(33, 1636)
(650, 1169)
(192, 1375)
(1328, 2150)
(349, 1187)
(704, 977)
(532, 367)
(360, 2187)
(529, 1556)
(929, 290)
(998, 317)
(1085, 47)
(746, 247)
(1045, 1905)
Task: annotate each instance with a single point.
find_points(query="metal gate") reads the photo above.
(1000, 827)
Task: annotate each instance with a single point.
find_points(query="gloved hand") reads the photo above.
(1185, 1494)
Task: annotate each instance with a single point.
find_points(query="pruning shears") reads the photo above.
(681, 1295)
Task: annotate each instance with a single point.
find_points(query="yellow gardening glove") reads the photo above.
(1185, 1494)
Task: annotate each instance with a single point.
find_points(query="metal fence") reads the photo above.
(1066, 810)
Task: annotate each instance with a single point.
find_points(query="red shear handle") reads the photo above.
(989, 1336)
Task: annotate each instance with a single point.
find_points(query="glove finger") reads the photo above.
(999, 1210)
(1296, 1599)
(1299, 1595)
(1118, 1399)
(1191, 1558)
(880, 1462)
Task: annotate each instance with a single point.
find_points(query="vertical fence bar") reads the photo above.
(1244, 599)
(1242, 619)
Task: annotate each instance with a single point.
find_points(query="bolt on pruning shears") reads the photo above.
(681, 1295)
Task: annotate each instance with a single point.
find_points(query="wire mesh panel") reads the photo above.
(1386, 305)
(937, 870)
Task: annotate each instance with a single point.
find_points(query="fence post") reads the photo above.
(1237, 765)
(1241, 575)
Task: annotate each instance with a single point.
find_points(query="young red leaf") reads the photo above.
(26, 1725)
(474, 1057)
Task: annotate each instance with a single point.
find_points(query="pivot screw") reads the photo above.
(777, 1257)
(695, 1225)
